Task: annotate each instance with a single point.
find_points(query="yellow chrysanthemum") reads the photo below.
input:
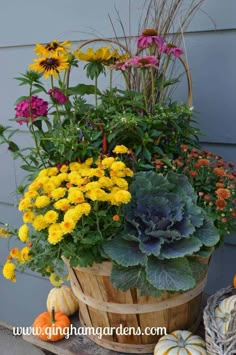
(105, 182)
(39, 223)
(4, 233)
(48, 187)
(62, 204)
(84, 208)
(120, 149)
(73, 214)
(89, 161)
(122, 183)
(24, 255)
(75, 178)
(42, 201)
(9, 271)
(74, 166)
(52, 171)
(50, 66)
(97, 195)
(62, 176)
(75, 195)
(14, 253)
(64, 168)
(108, 161)
(121, 197)
(68, 226)
(28, 217)
(55, 233)
(51, 216)
(55, 280)
(31, 194)
(23, 233)
(58, 193)
(24, 204)
(128, 172)
(118, 165)
(43, 172)
(92, 185)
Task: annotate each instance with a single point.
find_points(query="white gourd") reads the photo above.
(222, 313)
(63, 300)
(180, 342)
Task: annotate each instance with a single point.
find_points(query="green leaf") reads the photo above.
(82, 89)
(125, 278)
(205, 252)
(170, 275)
(198, 269)
(124, 252)
(13, 147)
(181, 248)
(208, 234)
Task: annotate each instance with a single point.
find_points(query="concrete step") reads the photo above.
(15, 345)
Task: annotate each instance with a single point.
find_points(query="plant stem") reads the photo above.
(96, 90)
(111, 77)
(31, 128)
(144, 90)
(153, 87)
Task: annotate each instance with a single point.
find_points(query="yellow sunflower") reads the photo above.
(54, 47)
(102, 55)
(50, 65)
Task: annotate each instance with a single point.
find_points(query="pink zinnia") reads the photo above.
(144, 62)
(31, 108)
(58, 95)
(171, 49)
(148, 38)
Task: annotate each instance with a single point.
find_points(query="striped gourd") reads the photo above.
(63, 300)
(222, 313)
(180, 342)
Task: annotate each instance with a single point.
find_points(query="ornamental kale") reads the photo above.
(164, 233)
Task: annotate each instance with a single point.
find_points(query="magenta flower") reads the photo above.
(170, 49)
(148, 38)
(144, 62)
(58, 95)
(31, 108)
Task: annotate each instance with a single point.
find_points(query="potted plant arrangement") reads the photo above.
(112, 189)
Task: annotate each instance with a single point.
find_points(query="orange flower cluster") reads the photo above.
(213, 179)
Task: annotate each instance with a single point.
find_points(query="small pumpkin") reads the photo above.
(63, 300)
(181, 342)
(51, 326)
(223, 313)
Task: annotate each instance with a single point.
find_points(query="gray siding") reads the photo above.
(210, 45)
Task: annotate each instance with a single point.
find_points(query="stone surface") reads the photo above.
(15, 345)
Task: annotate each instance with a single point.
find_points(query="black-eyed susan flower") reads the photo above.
(51, 65)
(52, 48)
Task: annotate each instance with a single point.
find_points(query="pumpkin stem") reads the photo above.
(53, 320)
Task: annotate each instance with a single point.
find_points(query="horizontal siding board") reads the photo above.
(80, 20)
(211, 61)
(23, 301)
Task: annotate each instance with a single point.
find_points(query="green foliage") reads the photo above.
(164, 229)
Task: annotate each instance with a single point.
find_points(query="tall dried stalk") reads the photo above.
(170, 18)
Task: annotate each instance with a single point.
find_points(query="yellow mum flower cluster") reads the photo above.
(59, 197)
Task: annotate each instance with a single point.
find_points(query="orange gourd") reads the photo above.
(51, 326)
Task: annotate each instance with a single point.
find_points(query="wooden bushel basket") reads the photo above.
(101, 305)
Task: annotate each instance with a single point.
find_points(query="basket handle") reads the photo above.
(183, 62)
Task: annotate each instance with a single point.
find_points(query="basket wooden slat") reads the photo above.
(101, 305)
